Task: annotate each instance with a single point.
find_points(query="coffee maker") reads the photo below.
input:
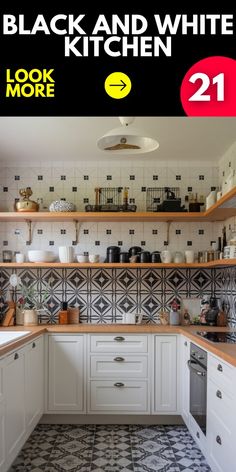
(212, 312)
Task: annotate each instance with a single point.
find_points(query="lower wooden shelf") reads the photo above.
(118, 265)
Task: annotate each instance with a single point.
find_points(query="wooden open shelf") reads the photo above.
(220, 211)
(128, 265)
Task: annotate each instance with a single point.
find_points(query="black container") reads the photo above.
(145, 256)
(124, 257)
(134, 250)
(113, 257)
(155, 257)
(113, 249)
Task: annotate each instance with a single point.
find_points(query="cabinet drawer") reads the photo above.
(220, 445)
(118, 343)
(222, 374)
(119, 366)
(118, 396)
(222, 405)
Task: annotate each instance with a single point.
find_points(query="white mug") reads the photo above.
(132, 318)
(189, 256)
(94, 258)
(166, 257)
(20, 257)
(66, 253)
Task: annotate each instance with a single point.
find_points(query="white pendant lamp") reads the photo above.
(126, 139)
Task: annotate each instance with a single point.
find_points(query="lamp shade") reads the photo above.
(127, 139)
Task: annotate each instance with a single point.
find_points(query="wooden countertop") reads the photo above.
(226, 352)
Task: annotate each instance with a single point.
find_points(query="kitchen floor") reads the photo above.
(110, 448)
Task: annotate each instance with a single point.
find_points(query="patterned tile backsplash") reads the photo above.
(104, 294)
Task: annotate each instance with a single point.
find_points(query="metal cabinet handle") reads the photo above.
(218, 394)
(119, 359)
(198, 435)
(119, 338)
(119, 384)
(218, 440)
(185, 343)
(220, 368)
(33, 345)
(16, 356)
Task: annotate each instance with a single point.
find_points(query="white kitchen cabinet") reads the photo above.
(165, 374)
(221, 415)
(66, 373)
(124, 397)
(115, 366)
(119, 374)
(184, 345)
(2, 419)
(34, 381)
(112, 343)
(14, 396)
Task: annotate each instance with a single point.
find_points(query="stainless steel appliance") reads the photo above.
(218, 336)
(198, 385)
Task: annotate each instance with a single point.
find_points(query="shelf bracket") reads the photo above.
(168, 232)
(29, 224)
(77, 228)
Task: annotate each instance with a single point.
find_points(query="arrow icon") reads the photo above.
(122, 85)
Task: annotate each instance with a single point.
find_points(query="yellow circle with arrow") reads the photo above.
(117, 85)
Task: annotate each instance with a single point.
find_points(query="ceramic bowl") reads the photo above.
(61, 205)
(94, 258)
(82, 258)
(41, 256)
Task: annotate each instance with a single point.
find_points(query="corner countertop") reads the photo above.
(226, 352)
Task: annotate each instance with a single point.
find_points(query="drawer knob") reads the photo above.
(185, 343)
(218, 394)
(119, 338)
(16, 356)
(33, 345)
(119, 359)
(220, 368)
(119, 384)
(198, 435)
(218, 440)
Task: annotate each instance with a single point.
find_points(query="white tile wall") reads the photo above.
(120, 172)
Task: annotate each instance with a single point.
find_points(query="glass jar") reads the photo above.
(6, 256)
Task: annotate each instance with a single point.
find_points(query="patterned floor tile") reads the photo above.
(110, 448)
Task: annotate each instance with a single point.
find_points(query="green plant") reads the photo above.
(31, 299)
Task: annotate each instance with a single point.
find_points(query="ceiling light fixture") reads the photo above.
(126, 139)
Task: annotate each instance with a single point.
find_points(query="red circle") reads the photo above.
(211, 67)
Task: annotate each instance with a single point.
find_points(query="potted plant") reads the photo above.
(29, 305)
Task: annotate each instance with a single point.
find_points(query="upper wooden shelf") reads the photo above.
(118, 265)
(220, 211)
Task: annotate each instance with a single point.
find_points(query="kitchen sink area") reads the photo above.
(10, 336)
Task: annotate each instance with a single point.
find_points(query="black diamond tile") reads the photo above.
(77, 279)
(126, 303)
(101, 304)
(126, 279)
(101, 279)
(175, 279)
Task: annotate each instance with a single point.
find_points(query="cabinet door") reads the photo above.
(14, 397)
(34, 388)
(66, 373)
(165, 378)
(185, 380)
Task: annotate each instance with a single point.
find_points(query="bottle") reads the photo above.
(73, 315)
(224, 240)
(221, 319)
(174, 314)
(63, 314)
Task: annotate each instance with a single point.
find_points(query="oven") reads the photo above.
(198, 385)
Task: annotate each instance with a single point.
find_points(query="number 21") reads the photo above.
(199, 96)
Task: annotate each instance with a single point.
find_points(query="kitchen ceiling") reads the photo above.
(74, 138)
